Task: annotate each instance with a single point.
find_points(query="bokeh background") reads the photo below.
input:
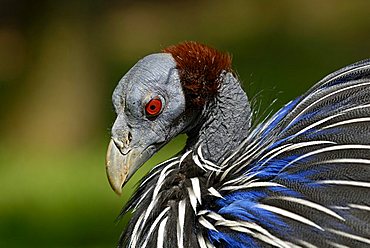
(60, 61)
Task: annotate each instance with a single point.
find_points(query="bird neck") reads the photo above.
(223, 123)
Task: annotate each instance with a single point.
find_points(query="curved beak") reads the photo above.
(120, 167)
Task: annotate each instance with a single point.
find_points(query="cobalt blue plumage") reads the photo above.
(326, 181)
(299, 179)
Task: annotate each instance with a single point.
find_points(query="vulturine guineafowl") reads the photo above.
(301, 178)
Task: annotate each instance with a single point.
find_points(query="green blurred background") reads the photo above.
(60, 61)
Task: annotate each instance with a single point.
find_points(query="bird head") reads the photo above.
(161, 96)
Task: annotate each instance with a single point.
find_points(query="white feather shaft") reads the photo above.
(180, 223)
(196, 188)
(161, 231)
(154, 225)
(346, 183)
(311, 205)
(289, 214)
(357, 120)
(350, 236)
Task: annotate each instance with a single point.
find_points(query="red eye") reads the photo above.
(153, 107)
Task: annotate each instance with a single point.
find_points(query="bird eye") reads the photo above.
(153, 107)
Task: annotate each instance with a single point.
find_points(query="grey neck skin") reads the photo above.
(224, 123)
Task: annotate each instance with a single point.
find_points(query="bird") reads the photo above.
(299, 178)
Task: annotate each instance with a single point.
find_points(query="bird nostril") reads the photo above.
(123, 142)
(118, 143)
(128, 139)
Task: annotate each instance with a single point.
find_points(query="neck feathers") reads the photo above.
(169, 201)
(224, 122)
(211, 88)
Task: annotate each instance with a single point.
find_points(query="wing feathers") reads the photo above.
(301, 179)
(304, 175)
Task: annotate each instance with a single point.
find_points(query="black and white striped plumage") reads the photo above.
(299, 179)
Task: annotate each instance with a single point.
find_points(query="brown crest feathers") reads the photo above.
(200, 68)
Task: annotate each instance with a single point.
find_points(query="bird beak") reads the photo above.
(120, 167)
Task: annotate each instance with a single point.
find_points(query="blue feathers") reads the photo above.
(248, 210)
(268, 168)
(237, 240)
(302, 176)
(280, 115)
(300, 179)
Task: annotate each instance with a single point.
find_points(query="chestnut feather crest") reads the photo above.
(200, 69)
